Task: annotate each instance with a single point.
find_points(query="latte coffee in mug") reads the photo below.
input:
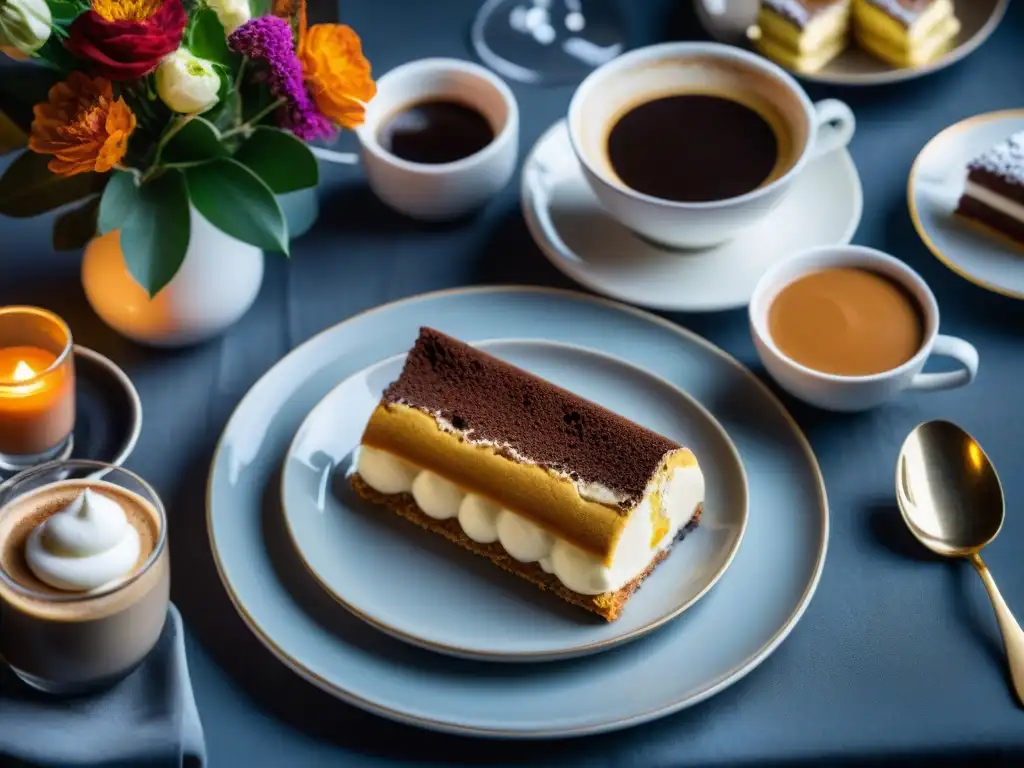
(84, 583)
(687, 144)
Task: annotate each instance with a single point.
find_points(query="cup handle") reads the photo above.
(834, 126)
(959, 350)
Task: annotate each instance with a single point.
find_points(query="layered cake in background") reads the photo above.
(554, 488)
(805, 35)
(993, 194)
(905, 33)
(802, 35)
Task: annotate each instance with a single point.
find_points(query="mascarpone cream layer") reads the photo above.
(583, 514)
(877, 22)
(995, 201)
(825, 30)
(669, 504)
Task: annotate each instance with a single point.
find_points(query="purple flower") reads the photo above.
(269, 39)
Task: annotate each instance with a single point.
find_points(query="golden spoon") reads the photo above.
(951, 499)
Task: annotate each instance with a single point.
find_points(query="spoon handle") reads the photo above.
(1013, 635)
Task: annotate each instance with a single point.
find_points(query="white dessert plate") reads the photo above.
(421, 588)
(729, 20)
(571, 228)
(934, 188)
(750, 611)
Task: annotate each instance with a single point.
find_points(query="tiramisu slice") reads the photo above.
(994, 192)
(905, 33)
(580, 501)
(802, 35)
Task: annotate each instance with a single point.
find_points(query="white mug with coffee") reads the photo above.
(688, 143)
(847, 328)
(440, 138)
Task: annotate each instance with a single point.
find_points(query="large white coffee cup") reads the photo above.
(445, 190)
(810, 131)
(857, 393)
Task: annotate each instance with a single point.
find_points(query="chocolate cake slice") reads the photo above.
(993, 195)
(550, 486)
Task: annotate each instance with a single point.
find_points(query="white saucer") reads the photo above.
(582, 241)
(451, 601)
(934, 188)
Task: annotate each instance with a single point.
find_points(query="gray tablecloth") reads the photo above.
(148, 720)
(898, 654)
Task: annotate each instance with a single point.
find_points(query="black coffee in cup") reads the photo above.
(693, 147)
(435, 132)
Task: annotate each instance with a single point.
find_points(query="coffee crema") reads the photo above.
(693, 148)
(847, 321)
(435, 131)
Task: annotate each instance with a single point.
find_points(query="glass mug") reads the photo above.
(59, 633)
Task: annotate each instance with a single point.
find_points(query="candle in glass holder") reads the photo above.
(37, 386)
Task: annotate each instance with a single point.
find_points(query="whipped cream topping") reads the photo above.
(86, 545)
(485, 522)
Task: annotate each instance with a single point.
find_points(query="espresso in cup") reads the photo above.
(687, 144)
(84, 581)
(435, 131)
(694, 147)
(847, 322)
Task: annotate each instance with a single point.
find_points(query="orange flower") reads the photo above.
(337, 74)
(82, 126)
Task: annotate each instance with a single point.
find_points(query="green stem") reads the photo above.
(252, 121)
(168, 135)
(237, 87)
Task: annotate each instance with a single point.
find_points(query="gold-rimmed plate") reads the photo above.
(933, 189)
(730, 20)
(421, 589)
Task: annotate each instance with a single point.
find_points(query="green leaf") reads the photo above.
(237, 202)
(283, 162)
(65, 11)
(11, 136)
(73, 229)
(155, 234)
(56, 55)
(260, 8)
(197, 142)
(207, 38)
(117, 202)
(28, 188)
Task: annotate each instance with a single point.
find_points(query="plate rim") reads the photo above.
(719, 684)
(534, 656)
(915, 215)
(904, 74)
(135, 401)
(528, 204)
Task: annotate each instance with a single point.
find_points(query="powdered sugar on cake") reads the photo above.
(906, 13)
(1005, 160)
(797, 11)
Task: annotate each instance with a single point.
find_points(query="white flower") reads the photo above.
(186, 83)
(231, 13)
(24, 25)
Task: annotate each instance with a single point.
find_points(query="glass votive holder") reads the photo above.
(37, 388)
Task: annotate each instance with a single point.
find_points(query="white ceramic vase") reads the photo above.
(217, 283)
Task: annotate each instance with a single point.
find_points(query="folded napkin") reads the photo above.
(148, 719)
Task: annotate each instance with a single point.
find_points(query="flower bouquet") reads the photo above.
(149, 110)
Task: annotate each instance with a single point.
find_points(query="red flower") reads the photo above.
(126, 39)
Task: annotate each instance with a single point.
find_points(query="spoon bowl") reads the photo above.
(948, 491)
(951, 499)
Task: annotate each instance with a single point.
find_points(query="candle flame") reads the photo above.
(23, 371)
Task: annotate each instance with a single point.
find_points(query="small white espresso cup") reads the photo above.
(809, 131)
(857, 393)
(436, 192)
